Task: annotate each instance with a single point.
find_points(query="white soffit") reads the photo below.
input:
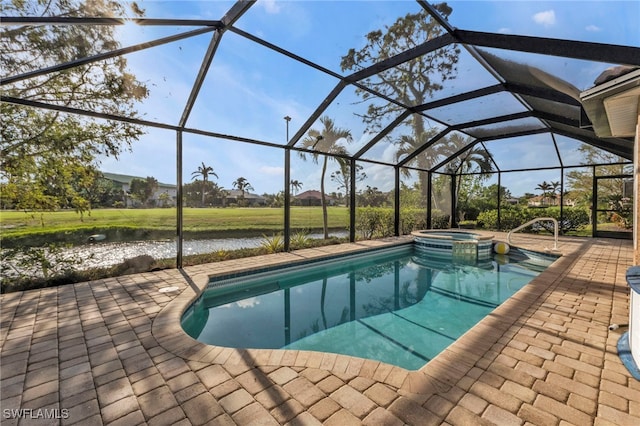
(622, 111)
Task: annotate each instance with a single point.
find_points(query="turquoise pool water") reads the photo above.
(401, 306)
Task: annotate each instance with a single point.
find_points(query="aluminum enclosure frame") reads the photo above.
(552, 123)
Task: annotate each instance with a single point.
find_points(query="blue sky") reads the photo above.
(250, 89)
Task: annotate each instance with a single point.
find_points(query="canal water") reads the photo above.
(104, 254)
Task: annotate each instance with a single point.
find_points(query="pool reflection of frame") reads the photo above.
(249, 286)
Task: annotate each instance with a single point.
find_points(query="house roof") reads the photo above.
(312, 195)
(126, 179)
(236, 193)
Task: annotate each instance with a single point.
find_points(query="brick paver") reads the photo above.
(112, 352)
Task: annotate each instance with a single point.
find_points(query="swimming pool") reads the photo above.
(400, 306)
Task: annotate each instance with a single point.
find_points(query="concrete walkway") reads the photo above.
(112, 352)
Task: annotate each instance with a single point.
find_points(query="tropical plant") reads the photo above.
(300, 238)
(407, 144)
(242, 185)
(204, 171)
(48, 159)
(274, 200)
(474, 159)
(326, 141)
(296, 185)
(272, 244)
(545, 187)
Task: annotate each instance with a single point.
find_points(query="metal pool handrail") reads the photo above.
(538, 219)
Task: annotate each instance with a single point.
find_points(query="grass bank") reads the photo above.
(20, 228)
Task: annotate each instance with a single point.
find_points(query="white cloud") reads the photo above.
(248, 303)
(272, 170)
(546, 18)
(504, 30)
(270, 6)
(593, 28)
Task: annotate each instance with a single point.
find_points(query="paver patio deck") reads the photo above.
(112, 352)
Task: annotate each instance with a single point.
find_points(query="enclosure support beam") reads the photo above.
(202, 74)
(555, 145)
(423, 147)
(317, 113)
(499, 197)
(396, 203)
(287, 199)
(428, 190)
(561, 198)
(352, 201)
(452, 218)
(103, 56)
(599, 52)
(636, 194)
(594, 202)
(179, 211)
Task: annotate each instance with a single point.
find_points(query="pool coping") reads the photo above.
(433, 233)
(437, 375)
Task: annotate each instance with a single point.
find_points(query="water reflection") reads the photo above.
(109, 254)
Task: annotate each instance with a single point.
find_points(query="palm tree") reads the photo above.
(545, 187)
(475, 157)
(242, 184)
(325, 141)
(203, 171)
(407, 144)
(296, 185)
(555, 187)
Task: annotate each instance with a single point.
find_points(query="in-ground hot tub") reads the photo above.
(458, 244)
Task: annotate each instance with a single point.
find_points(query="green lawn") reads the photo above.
(209, 220)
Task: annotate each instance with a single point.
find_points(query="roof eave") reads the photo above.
(593, 102)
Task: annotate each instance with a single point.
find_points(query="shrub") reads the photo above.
(412, 219)
(272, 244)
(300, 239)
(374, 222)
(509, 218)
(574, 218)
(440, 220)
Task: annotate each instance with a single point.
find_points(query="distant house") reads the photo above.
(549, 200)
(124, 183)
(512, 201)
(314, 198)
(537, 201)
(235, 195)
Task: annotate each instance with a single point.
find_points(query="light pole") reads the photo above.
(287, 119)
